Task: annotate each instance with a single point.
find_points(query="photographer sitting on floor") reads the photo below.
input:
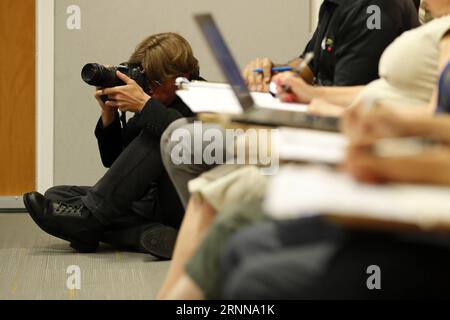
(134, 205)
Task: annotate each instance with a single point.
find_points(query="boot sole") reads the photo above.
(75, 244)
(159, 242)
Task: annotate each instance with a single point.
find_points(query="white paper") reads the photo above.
(266, 100)
(312, 146)
(301, 192)
(219, 98)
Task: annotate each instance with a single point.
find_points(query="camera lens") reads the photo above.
(98, 75)
(91, 73)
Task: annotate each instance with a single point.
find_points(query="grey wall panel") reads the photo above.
(110, 30)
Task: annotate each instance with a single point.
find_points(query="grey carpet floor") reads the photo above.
(34, 265)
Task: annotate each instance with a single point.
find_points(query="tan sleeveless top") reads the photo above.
(409, 67)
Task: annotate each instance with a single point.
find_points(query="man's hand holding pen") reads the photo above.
(258, 81)
(259, 73)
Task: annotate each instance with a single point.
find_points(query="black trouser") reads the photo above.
(312, 259)
(135, 190)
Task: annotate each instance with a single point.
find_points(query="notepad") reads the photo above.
(219, 98)
(312, 146)
(310, 191)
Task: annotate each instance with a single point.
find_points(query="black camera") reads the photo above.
(98, 75)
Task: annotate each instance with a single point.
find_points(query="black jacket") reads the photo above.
(346, 51)
(154, 119)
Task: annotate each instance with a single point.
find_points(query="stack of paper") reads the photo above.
(312, 146)
(219, 98)
(301, 192)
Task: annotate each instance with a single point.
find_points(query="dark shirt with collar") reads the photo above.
(346, 50)
(153, 119)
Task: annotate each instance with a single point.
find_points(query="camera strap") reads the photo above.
(123, 119)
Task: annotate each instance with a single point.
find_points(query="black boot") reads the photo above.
(159, 240)
(71, 223)
(154, 238)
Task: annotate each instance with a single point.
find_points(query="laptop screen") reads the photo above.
(225, 59)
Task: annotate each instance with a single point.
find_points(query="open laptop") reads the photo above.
(252, 113)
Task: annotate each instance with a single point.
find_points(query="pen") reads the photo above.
(308, 58)
(306, 61)
(275, 69)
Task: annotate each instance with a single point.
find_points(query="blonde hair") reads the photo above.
(165, 56)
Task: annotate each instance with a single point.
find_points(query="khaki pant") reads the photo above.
(206, 266)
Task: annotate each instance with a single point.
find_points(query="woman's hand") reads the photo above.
(130, 97)
(430, 167)
(299, 91)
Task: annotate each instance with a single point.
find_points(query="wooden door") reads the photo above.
(17, 97)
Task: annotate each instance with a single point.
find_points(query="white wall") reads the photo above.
(315, 6)
(110, 29)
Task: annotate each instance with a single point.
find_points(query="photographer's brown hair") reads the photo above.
(165, 56)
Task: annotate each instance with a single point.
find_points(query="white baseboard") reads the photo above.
(11, 204)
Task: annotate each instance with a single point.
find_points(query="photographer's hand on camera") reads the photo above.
(109, 114)
(129, 97)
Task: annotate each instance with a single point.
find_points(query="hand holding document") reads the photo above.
(306, 191)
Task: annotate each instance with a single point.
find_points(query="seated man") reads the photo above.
(346, 50)
(134, 205)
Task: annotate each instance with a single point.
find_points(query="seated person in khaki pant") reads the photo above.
(313, 258)
(428, 64)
